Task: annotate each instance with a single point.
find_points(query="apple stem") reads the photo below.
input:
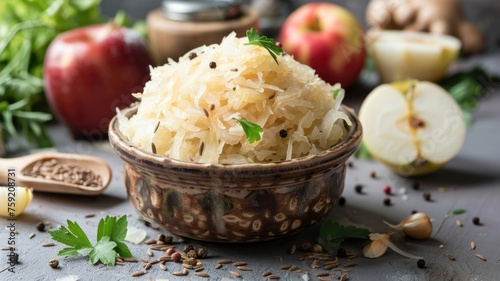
(316, 25)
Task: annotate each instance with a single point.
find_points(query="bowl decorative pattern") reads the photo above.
(234, 203)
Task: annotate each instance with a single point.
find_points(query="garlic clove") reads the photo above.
(15, 199)
(375, 249)
(379, 245)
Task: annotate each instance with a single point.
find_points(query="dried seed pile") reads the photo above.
(54, 170)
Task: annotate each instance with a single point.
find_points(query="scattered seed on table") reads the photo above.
(150, 241)
(138, 273)
(273, 277)
(322, 274)
(129, 259)
(459, 223)
(387, 201)
(293, 249)
(218, 266)
(350, 165)
(351, 264)
(441, 246)
(341, 201)
(450, 257)
(421, 263)
(373, 174)
(149, 252)
(387, 190)
(199, 269)
(358, 188)
(40, 226)
(202, 274)
(54, 263)
(163, 267)
(481, 257)
(32, 235)
(235, 274)
(89, 216)
(472, 245)
(49, 244)
(476, 221)
(285, 267)
(239, 263)
(341, 253)
(267, 273)
(343, 277)
(416, 185)
(243, 268)
(427, 196)
(147, 266)
(224, 261)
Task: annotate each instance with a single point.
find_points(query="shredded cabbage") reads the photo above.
(197, 107)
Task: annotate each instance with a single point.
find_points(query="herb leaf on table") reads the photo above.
(111, 233)
(332, 234)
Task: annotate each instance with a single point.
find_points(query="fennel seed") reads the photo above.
(472, 245)
(481, 257)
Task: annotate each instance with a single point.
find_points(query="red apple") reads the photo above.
(328, 38)
(90, 71)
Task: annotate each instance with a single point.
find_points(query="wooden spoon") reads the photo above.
(20, 165)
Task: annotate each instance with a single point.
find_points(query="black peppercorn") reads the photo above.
(188, 248)
(283, 133)
(341, 201)
(476, 221)
(13, 257)
(427, 196)
(212, 64)
(421, 263)
(40, 226)
(192, 55)
(341, 253)
(387, 201)
(414, 212)
(358, 188)
(416, 185)
(350, 165)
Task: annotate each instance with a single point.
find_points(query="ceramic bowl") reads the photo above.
(234, 203)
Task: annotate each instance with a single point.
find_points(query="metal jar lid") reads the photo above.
(201, 10)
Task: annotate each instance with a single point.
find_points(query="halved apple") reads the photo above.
(402, 55)
(414, 127)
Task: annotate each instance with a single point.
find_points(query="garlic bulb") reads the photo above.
(417, 226)
(15, 199)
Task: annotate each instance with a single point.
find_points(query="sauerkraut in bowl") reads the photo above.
(195, 109)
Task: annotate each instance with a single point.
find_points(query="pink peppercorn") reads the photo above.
(387, 190)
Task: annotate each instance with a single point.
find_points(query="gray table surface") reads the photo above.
(471, 181)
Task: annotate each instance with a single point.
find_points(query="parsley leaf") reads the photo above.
(458, 211)
(110, 235)
(252, 130)
(255, 39)
(104, 252)
(332, 234)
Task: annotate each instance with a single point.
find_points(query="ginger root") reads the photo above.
(433, 16)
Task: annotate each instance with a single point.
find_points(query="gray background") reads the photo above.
(484, 13)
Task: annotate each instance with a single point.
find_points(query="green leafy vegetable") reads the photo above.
(252, 130)
(468, 87)
(255, 39)
(332, 234)
(111, 233)
(26, 29)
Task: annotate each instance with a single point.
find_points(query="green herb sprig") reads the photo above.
(332, 234)
(255, 39)
(252, 130)
(111, 233)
